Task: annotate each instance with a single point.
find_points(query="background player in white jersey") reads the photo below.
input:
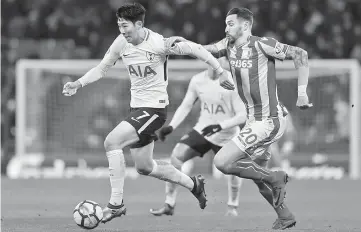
(222, 111)
(252, 61)
(145, 55)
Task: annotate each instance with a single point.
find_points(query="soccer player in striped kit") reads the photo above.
(145, 55)
(252, 61)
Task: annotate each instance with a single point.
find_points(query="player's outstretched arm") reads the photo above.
(212, 48)
(196, 50)
(273, 48)
(182, 111)
(170, 41)
(94, 74)
(218, 49)
(300, 59)
(186, 106)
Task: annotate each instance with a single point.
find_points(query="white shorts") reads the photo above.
(256, 136)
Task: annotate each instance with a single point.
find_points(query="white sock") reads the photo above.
(117, 175)
(234, 186)
(166, 171)
(171, 191)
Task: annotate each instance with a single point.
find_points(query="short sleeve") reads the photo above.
(271, 47)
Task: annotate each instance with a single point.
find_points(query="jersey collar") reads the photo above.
(244, 43)
(146, 37)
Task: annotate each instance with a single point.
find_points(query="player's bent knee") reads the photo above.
(223, 168)
(142, 157)
(225, 158)
(222, 159)
(110, 144)
(121, 136)
(113, 142)
(221, 163)
(180, 154)
(144, 171)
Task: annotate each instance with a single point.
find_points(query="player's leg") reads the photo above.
(234, 187)
(143, 156)
(121, 136)
(181, 154)
(138, 130)
(285, 218)
(235, 157)
(145, 165)
(233, 161)
(191, 145)
(279, 159)
(276, 160)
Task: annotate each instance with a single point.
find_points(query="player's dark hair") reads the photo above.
(243, 13)
(132, 11)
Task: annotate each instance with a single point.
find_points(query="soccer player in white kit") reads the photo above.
(145, 54)
(221, 113)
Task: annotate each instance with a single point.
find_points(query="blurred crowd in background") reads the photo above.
(83, 29)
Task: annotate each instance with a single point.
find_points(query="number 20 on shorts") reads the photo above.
(247, 136)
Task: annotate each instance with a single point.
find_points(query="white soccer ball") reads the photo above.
(87, 214)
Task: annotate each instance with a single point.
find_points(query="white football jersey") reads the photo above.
(147, 66)
(216, 106)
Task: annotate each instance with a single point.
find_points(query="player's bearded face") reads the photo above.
(234, 28)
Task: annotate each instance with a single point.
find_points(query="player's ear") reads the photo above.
(138, 24)
(247, 25)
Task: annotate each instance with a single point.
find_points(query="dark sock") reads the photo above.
(283, 211)
(266, 191)
(195, 185)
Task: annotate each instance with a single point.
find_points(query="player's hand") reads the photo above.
(303, 102)
(225, 81)
(172, 40)
(164, 131)
(211, 129)
(70, 88)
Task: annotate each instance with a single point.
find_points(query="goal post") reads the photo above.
(44, 119)
(353, 67)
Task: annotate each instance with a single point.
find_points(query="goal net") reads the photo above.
(71, 130)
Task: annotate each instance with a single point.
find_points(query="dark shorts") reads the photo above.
(198, 143)
(146, 121)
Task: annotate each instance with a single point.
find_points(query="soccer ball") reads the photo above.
(87, 214)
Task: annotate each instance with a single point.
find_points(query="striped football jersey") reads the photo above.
(253, 68)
